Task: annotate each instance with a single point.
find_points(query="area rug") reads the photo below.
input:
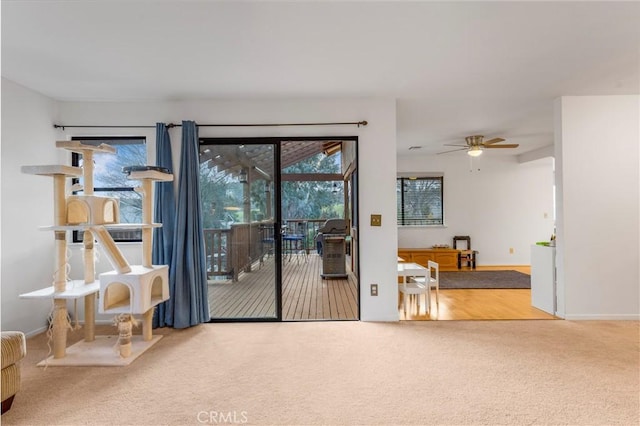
(484, 279)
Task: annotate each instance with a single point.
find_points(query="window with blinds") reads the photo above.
(420, 201)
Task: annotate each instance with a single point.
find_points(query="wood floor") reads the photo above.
(305, 294)
(481, 304)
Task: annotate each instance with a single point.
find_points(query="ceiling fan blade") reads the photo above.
(451, 144)
(492, 141)
(451, 150)
(508, 145)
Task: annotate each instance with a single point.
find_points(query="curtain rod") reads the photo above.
(172, 125)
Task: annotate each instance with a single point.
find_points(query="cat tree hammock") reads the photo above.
(126, 291)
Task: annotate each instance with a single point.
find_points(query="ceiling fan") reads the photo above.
(475, 145)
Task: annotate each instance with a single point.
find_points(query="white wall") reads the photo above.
(28, 138)
(597, 147)
(498, 202)
(377, 185)
(596, 137)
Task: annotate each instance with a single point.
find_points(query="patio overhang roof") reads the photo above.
(258, 159)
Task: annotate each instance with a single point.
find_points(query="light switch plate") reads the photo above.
(376, 220)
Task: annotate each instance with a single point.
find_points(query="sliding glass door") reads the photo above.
(237, 182)
(280, 225)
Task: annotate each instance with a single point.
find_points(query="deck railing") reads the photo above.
(234, 250)
(230, 251)
(216, 242)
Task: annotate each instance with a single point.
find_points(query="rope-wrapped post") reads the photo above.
(59, 323)
(90, 299)
(125, 323)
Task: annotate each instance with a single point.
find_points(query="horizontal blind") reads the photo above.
(420, 201)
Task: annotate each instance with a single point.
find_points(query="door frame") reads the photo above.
(277, 210)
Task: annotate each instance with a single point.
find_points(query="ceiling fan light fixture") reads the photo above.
(475, 151)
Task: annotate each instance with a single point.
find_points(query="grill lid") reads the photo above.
(334, 226)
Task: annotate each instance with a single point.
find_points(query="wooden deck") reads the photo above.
(305, 294)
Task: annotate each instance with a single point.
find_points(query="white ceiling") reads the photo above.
(455, 68)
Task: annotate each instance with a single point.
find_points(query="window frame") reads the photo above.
(400, 205)
(119, 236)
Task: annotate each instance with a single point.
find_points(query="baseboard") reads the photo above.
(602, 317)
(391, 318)
(35, 332)
(504, 266)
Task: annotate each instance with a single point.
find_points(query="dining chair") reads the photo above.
(411, 286)
(433, 278)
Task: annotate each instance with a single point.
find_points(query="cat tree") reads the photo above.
(127, 291)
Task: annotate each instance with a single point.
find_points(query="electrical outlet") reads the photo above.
(511, 250)
(374, 289)
(376, 220)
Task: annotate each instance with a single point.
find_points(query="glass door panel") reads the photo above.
(237, 195)
(318, 282)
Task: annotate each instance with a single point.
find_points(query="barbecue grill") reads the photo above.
(332, 236)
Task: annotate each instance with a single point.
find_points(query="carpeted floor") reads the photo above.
(350, 372)
(484, 279)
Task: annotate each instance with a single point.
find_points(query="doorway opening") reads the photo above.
(265, 203)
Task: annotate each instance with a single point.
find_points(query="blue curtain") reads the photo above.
(188, 265)
(164, 211)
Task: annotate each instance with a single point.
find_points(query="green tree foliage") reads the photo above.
(108, 174)
(313, 199)
(220, 197)
(222, 194)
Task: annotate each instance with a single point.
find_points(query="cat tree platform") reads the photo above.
(102, 352)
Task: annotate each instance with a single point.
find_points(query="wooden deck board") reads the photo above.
(305, 294)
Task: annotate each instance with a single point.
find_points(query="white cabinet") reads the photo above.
(543, 278)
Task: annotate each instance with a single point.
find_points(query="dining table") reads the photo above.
(410, 269)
